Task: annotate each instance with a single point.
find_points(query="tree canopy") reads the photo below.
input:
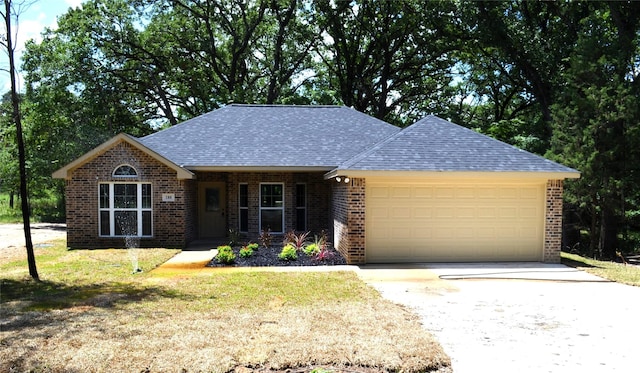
(554, 78)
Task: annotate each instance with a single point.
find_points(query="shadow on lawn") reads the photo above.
(576, 264)
(22, 296)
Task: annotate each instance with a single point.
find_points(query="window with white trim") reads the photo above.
(301, 207)
(272, 207)
(125, 209)
(243, 207)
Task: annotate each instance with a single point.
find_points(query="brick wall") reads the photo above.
(348, 209)
(175, 224)
(553, 222)
(318, 198)
(169, 219)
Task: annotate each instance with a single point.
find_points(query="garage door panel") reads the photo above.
(400, 192)
(471, 222)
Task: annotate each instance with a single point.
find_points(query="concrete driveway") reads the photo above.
(519, 317)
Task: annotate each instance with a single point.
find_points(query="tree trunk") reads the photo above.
(31, 259)
(11, 199)
(608, 233)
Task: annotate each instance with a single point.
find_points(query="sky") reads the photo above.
(31, 22)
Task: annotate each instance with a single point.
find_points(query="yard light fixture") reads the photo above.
(338, 179)
(342, 178)
(346, 179)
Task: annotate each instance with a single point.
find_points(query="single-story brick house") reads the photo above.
(433, 191)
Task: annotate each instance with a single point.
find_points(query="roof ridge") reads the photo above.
(319, 106)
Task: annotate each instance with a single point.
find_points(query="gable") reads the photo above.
(260, 137)
(436, 145)
(66, 171)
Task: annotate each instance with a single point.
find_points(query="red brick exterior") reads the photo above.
(338, 208)
(175, 224)
(553, 222)
(349, 219)
(169, 218)
(318, 198)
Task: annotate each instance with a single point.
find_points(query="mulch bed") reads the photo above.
(268, 257)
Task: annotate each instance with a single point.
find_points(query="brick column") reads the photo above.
(553, 222)
(349, 220)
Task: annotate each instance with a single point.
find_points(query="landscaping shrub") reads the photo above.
(234, 237)
(297, 240)
(288, 253)
(324, 254)
(246, 251)
(225, 255)
(311, 249)
(266, 238)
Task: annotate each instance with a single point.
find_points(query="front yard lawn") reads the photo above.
(618, 272)
(92, 314)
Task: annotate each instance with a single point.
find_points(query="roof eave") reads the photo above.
(259, 168)
(65, 172)
(548, 175)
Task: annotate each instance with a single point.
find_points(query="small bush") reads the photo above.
(246, 251)
(298, 240)
(225, 255)
(288, 253)
(311, 249)
(324, 254)
(234, 237)
(266, 238)
(253, 246)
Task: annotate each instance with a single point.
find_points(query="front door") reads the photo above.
(212, 204)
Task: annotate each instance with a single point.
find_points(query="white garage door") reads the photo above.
(412, 221)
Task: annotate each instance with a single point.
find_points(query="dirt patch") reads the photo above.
(12, 245)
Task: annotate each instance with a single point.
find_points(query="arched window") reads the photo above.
(125, 171)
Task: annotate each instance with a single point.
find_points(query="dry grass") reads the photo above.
(94, 315)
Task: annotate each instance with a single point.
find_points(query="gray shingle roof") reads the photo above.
(270, 136)
(434, 144)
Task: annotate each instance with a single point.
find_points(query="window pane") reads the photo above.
(146, 223)
(271, 219)
(125, 195)
(244, 195)
(105, 224)
(244, 220)
(212, 199)
(126, 223)
(146, 196)
(271, 195)
(301, 195)
(125, 171)
(104, 196)
(301, 219)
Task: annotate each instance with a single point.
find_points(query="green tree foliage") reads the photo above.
(596, 125)
(390, 59)
(9, 175)
(550, 77)
(510, 67)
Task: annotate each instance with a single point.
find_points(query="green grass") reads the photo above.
(91, 313)
(618, 272)
(43, 209)
(8, 214)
